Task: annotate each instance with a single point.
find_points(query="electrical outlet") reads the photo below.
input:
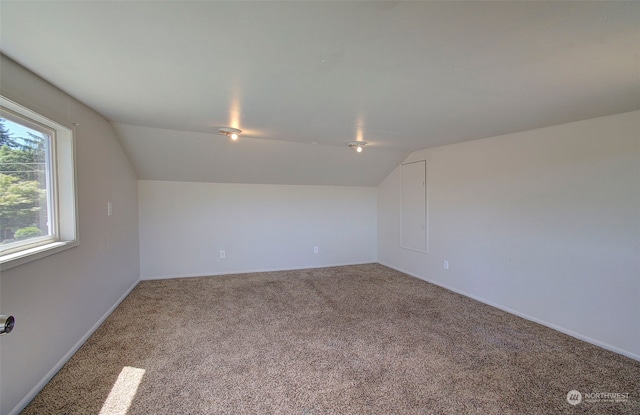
(315, 249)
(446, 264)
(223, 254)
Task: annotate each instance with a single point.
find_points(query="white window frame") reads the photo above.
(61, 180)
(52, 203)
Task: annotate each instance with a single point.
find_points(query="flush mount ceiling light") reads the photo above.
(357, 145)
(232, 133)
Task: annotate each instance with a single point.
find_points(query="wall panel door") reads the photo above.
(413, 231)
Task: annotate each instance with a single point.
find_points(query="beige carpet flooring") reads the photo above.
(360, 339)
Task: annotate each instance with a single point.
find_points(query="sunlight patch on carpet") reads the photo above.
(123, 391)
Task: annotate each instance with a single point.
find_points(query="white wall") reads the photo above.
(184, 226)
(58, 300)
(545, 223)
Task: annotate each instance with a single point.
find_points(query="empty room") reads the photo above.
(319, 207)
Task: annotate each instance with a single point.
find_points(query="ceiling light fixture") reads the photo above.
(357, 145)
(232, 133)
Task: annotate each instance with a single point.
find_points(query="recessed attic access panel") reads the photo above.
(413, 222)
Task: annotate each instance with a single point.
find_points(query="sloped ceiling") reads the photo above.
(302, 79)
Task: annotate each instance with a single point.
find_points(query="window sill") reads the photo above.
(22, 257)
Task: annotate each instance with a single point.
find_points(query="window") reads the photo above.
(37, 186)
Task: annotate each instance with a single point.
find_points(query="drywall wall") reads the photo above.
(185, 225)
(544, 223)
(60, 299)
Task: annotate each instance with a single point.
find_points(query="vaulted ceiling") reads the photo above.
(302, 79)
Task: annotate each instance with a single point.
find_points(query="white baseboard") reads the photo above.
(564, 330)
(32, 394)
(25, 401)
(244, 271)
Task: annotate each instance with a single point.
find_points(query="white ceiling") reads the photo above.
(400, 75)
